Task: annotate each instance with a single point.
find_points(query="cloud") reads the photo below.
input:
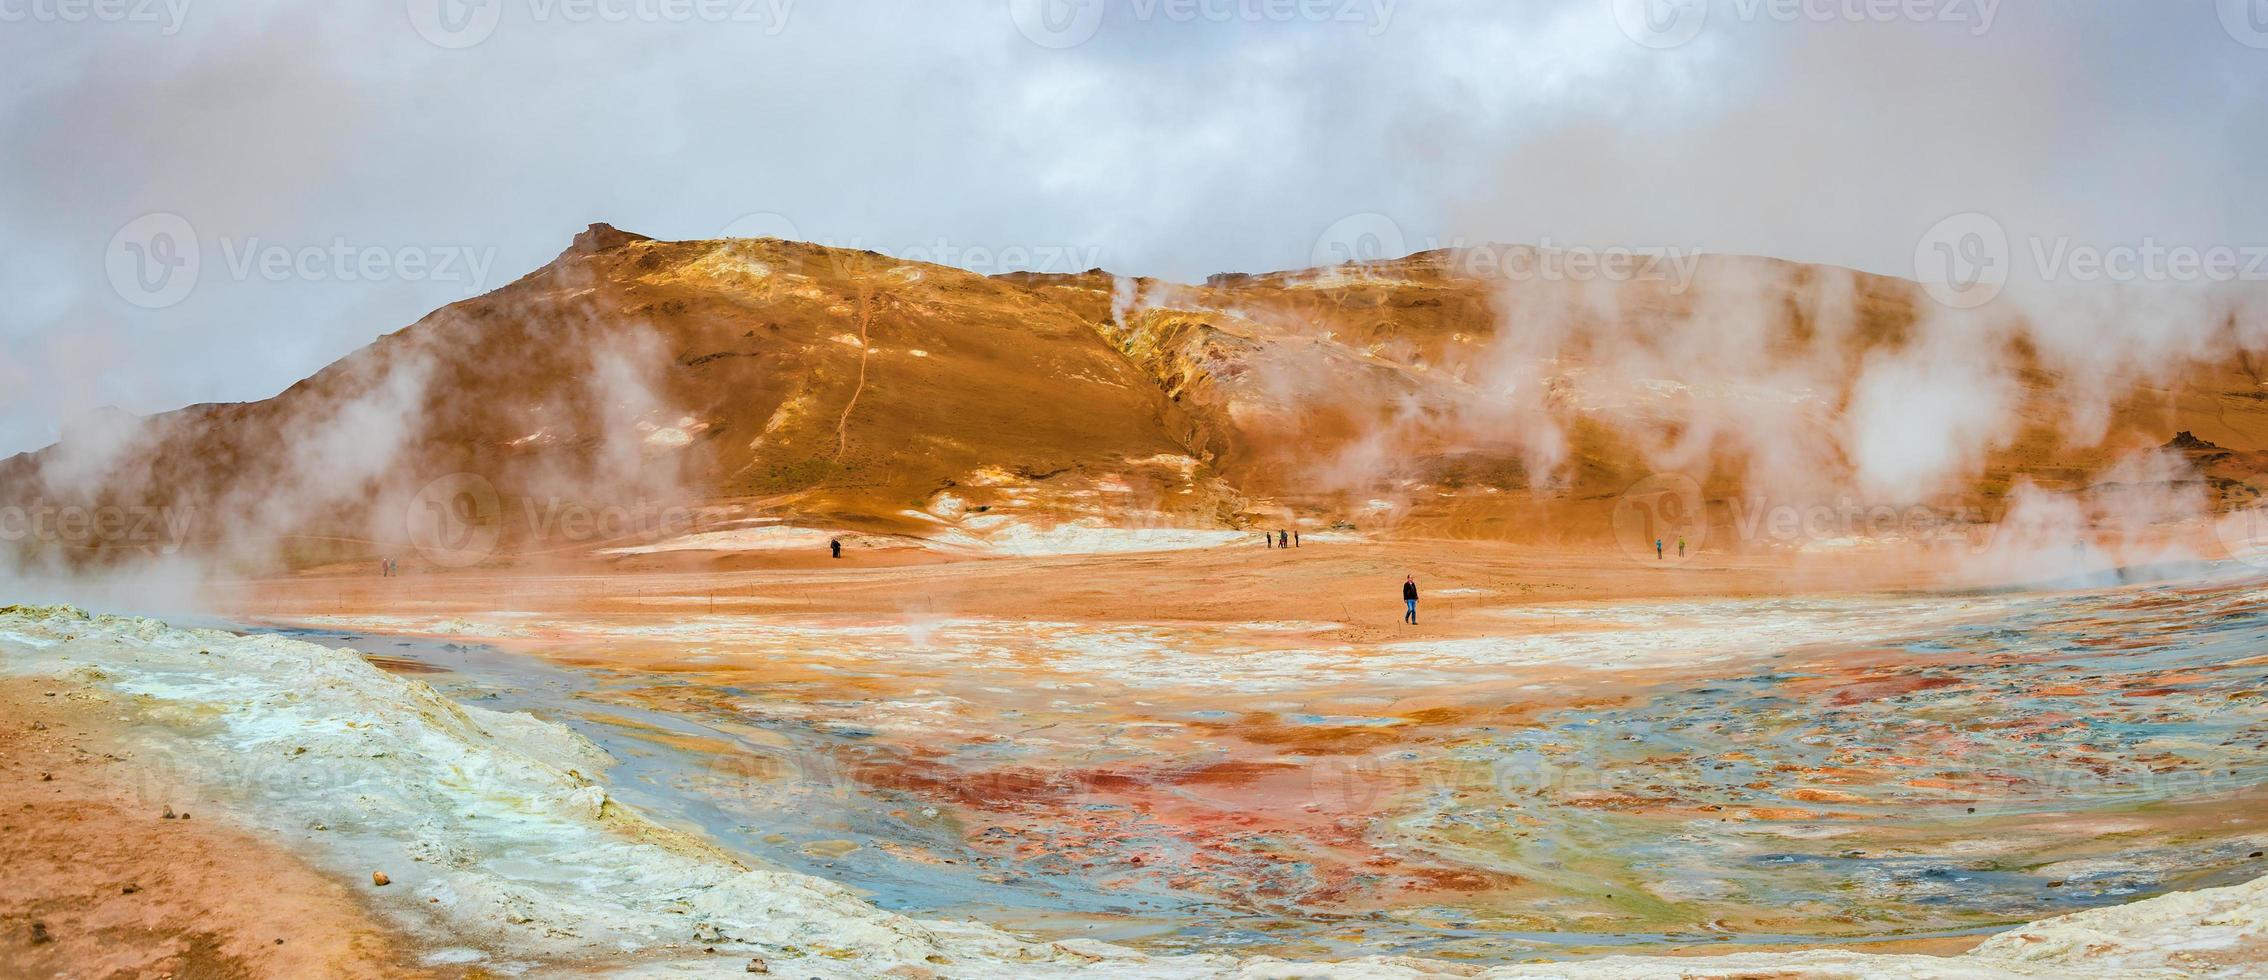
(1172, 147)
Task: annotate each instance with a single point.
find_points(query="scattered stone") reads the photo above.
(39, 726)
(39, 934)
(184, 814)
(169, 813)
(47, 777)
(379, 878)
(129, 889)
(2055, 884)
(279, 942)
(758, 965)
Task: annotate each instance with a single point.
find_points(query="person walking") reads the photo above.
(1657, 549)
(835, 547)
(1409, 600)
(1295, 539)
(1283, 539)
(1681, 546)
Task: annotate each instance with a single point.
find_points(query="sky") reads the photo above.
(207, 202)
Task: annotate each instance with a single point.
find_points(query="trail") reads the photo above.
(865, 351)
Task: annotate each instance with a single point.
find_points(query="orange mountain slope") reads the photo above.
(1451, 393)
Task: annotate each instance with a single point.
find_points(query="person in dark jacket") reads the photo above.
(835, 546)
(1283, 539)
(1409, 598)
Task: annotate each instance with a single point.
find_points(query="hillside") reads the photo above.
(744, 386)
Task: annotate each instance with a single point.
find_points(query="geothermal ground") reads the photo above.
(1206, 762)
(1950, 664)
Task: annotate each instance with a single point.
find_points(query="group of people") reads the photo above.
(388, 568)
(1276, 539)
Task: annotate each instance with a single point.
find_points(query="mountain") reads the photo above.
(650, 388)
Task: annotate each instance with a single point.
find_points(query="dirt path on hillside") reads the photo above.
(865, 354)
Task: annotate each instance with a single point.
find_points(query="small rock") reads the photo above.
(279, 942)
(39, 726)
(129, 889)
(184, 814)
(758, 965)
(379, 878)
(47, 777)
(2253, 854)
(169, 813)
(39, 934)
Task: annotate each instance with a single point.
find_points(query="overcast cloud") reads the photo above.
(340, 172)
